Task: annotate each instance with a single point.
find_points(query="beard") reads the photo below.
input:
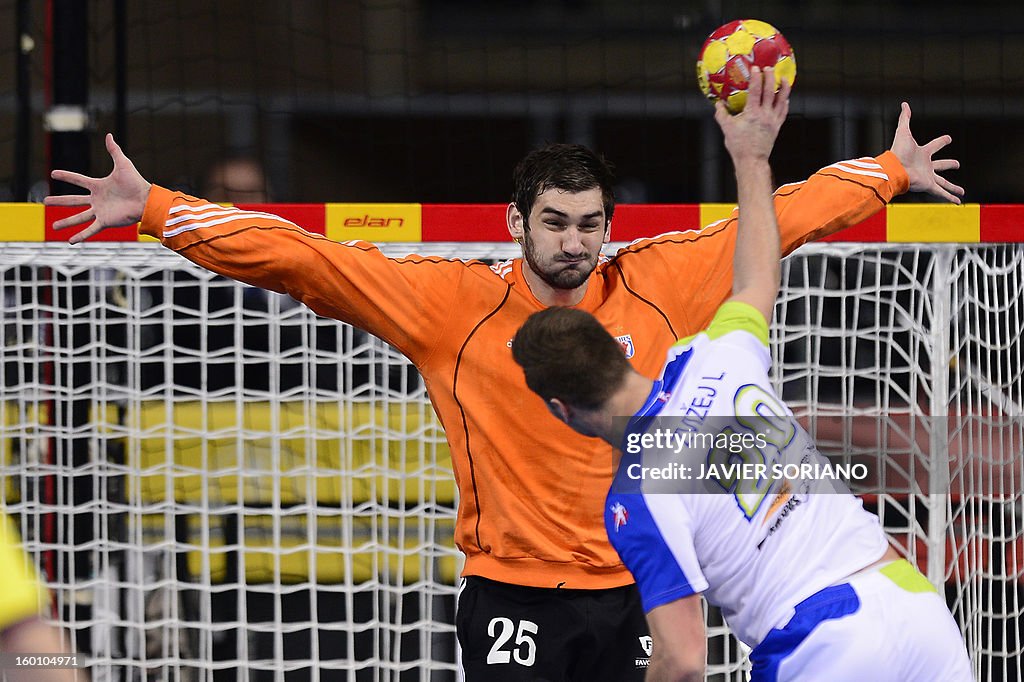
(555, 273)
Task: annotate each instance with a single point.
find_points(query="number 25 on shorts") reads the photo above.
(523, 651)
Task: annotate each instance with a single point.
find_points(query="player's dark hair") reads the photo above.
(567, 354)
(568, 167)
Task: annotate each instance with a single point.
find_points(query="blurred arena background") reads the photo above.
(434, 100)
(221, 486)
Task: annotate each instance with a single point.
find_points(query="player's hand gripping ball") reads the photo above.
(723, 68)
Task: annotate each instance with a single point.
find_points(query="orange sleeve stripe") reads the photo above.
(971, 223)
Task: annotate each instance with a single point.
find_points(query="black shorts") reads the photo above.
(510, 633)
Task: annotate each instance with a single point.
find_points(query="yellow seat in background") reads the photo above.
(264, 454)
(299, 548)
(214, 461)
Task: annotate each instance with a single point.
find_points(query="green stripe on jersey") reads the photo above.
(734, 316)
(907, 576)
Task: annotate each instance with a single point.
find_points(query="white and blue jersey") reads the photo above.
(757, 547)
(788, 559)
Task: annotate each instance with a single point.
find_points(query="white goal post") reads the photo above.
(219, 485)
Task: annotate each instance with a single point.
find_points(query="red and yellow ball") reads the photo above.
(723, 68)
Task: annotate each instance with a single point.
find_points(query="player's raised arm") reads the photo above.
(395, 299)
(749, 138)
(114, 201)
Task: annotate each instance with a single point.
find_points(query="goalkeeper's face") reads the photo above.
(566, 231)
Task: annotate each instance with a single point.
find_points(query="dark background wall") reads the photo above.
(434, 100)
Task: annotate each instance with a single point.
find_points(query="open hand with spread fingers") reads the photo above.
(114, 201)
(921, 168)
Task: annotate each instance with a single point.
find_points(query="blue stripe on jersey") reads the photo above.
(830, 603)
(635, 536)
(631, 529)
(674, 369)
(653, 405)
(641, 421)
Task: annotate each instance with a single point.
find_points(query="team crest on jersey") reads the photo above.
(620, 515)
(626, 341)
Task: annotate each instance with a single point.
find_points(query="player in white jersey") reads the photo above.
(719, 492)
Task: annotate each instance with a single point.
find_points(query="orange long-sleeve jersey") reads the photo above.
(531, 489)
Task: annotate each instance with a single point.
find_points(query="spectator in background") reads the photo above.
(237, 180)
(240, 180)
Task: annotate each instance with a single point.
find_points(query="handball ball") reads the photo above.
(723, 68)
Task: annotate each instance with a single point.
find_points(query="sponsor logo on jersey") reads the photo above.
(620, 515)
(626, 341)
(781, 498)
(647, 643)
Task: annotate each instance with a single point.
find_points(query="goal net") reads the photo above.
(219, 485)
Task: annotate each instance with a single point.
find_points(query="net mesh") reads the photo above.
(219, 485)
(909, 358)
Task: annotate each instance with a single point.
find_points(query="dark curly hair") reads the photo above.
(568, 167)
